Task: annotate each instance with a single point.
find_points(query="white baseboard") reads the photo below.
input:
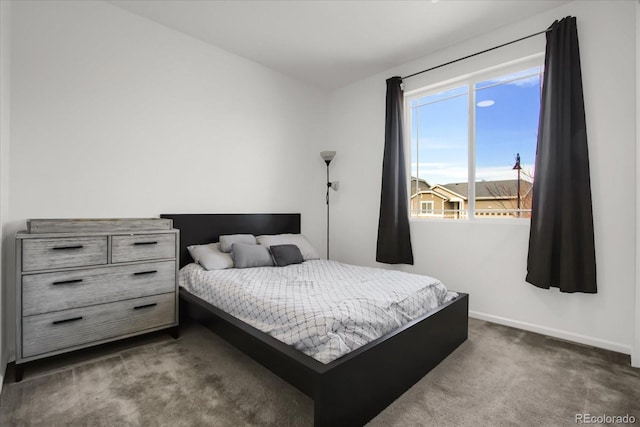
(552, 332)
(3, 373)
(3, 367)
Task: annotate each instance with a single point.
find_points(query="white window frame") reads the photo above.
(426, 210)
(470, 80)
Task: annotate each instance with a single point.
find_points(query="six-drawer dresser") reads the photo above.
(85, 282)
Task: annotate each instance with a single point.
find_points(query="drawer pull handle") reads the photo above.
(145, 306)
(73, 319)
(63, 248)
(145, 243)
(67, 282)
(140, 273)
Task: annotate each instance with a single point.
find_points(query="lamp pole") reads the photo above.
(328, 186)
(327, 156)
(518, 168)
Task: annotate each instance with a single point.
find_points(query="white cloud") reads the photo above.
(447, 173)
(528, 82)
(440, 173)
(498, 173)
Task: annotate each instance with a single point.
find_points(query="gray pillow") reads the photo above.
(210, 257)
(230, 239)
(246, 256)
(308, 251)
(286, 255)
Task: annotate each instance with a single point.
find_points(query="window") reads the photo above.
(473, 144)
(426, 207)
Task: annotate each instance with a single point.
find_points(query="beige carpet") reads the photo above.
(500, 376)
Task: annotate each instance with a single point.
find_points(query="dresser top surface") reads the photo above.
(73, 225)
(26, 235)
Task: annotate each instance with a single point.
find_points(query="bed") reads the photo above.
(353, 388)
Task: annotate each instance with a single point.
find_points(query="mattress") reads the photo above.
(323, 308)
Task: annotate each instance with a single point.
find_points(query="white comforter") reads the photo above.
(323, 308)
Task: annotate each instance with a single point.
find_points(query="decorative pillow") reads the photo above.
(228, 240)
(286, 255)
(210, 257)
(308, 252)
(246, 255)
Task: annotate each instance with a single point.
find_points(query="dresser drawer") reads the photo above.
(43, 254)
(143, 247)
(42, 293)
(56, 331)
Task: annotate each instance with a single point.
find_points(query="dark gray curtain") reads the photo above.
(394, 240)
(561, 242)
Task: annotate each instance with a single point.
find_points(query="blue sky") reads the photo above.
(508, 125)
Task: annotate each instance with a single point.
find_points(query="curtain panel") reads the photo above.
(394, 240)
(561, 240)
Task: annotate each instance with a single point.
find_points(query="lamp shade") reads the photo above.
(327, 156)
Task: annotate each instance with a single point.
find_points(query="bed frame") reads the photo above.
(352, 389)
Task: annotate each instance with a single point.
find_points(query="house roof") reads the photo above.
(422, 185)
(491, 189)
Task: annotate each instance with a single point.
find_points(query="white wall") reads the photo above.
(487, 259)
(116, 116)
(5, 40)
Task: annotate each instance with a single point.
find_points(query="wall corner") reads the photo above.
(5, 94)
(635, 352)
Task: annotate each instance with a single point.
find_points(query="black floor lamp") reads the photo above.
(327, 156)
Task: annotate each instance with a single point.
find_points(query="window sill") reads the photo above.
(505, 221)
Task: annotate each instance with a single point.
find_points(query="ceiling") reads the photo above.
(330, 44)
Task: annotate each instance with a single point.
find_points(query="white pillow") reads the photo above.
(308, 252)
(210, 257)
(229, 239)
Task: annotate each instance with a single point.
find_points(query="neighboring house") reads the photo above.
(493, 198)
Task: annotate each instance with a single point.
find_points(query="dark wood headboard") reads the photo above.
(199, 229)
